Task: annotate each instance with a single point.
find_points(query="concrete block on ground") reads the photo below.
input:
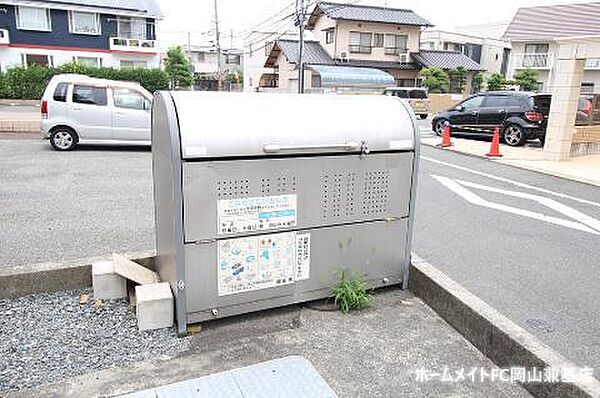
(133, 271)
(154, 306)
(106, 284)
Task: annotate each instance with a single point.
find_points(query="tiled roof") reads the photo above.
(313, 52)
(143, 7)
(548, 22)
(445, 60)
(353, 12)
(379, 64)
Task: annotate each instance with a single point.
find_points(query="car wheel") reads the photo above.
(423, 116)
(543, 140)
(514, 135)
(63, 139)
(439, 126)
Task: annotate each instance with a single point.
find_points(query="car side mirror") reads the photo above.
(459, 108)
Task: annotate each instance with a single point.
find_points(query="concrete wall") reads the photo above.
(343, 38)
(439, 102)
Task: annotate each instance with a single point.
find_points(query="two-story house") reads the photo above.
(119, 34)
(489, 52)
(206, 63)
(535, 32)
(360, 45)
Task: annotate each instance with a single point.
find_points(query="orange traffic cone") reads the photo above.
(495, 148)
(446, 137)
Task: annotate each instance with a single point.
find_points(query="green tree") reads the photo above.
(496, 82)
(435, 79)
(527, 79)
(458, 79)
(177, 67)
(477, 82)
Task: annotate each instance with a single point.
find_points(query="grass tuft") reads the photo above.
(350, 293)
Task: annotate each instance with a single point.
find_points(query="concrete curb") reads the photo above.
(19, 102)
(20, 126)
(501, 340)
(53, 277)
(522, 167)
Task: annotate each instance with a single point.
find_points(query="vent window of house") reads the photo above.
(33, 18)
(89, 61)
(360, 42)
(131, 28)
(329, 35)
(233, 59)
(85, 23)
(378, 40)
(395, 44)
(127, 64)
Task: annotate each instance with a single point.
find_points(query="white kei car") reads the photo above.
(78, 109)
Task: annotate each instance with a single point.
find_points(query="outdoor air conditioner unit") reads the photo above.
(344, 56)
(404, 58)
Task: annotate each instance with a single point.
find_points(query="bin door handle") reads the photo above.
(274, 148)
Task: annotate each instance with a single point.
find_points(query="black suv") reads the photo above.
(519, 115)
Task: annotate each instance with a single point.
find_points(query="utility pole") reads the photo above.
(218, 44)
(300, 15)
(189, 54)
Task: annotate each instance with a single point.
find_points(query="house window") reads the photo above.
(329, 35)
(360, 42)
(131, 28)
(37, 60)
(129, 64)
(378, 40)
(395, 44)
(33, 18)
(536, 55)
(88, 61)
(85, 23)
(233, 59)
(587, 87)
(89, 95)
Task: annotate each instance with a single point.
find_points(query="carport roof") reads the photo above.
(332, 75)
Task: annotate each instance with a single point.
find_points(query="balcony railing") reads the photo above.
(534, 61)
(359, 49)
(137, 45)
(4, 37)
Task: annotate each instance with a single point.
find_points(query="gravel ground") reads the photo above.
(48, 337)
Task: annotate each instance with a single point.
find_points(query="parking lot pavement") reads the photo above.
(57, 206)
(399, 347)
(425, 127)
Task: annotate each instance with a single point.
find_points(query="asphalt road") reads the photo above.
(533, 259)
(543, 276)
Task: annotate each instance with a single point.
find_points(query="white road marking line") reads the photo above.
(519, 184)
(478, 200)
(550, 203)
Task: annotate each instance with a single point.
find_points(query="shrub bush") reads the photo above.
(29, 83)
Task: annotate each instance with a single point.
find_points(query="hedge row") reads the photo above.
(29, 83)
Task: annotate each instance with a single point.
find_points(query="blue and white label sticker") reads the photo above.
(256, 214)
(256, 262)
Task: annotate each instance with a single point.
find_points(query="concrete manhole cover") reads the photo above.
(540, 325)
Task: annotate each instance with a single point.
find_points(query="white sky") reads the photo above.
(197, 16)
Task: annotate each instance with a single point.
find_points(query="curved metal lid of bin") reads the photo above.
(217, 124)
(352, 76)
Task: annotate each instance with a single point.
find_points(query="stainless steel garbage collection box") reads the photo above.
(260, 199)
